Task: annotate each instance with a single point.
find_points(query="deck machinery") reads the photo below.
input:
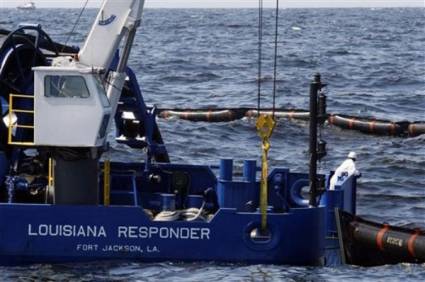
(62, 202)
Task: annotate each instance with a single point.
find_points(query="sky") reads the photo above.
(226, 3)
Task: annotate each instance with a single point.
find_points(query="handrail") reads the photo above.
(12, 126)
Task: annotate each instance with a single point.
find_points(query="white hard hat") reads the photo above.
(352, 155)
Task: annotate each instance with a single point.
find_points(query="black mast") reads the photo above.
(315, 86)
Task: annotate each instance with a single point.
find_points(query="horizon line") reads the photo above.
(282, 8)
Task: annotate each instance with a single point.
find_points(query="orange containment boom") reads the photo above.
(367, 125)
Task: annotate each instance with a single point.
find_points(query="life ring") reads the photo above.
(295, 195)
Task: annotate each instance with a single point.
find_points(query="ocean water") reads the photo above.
(374, 63)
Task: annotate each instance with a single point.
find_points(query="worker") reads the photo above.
(345, 170)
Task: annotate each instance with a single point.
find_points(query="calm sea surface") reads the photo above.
(374, 63)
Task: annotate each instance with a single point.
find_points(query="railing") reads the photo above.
(12, 125)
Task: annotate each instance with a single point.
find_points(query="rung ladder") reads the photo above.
(16, 112)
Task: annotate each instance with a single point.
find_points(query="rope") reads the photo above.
(260, 54)
(276, 35)
(193, 214)
(167, 216)
(260, 42)
(75, 25)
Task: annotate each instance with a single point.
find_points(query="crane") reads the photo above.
(74, 107)
(71, 89)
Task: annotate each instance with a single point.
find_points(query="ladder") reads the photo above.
(23, 110)
(122, 188)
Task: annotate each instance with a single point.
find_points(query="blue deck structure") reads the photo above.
(299, 235)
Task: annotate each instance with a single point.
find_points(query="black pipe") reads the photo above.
(323, 115)
(315, 86)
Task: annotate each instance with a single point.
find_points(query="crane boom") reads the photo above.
(115, 20)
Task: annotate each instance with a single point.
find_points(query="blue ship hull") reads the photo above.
(43, 233)
(298, 235)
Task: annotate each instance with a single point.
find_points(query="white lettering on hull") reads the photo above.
(56, 230)
(144, 232)
(123, 248)
(128, 232)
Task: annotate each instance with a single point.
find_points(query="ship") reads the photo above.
(63, 200)
(27, 6)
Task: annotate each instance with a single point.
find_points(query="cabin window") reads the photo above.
(65, 86)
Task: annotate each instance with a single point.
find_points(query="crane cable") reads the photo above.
(260, 54)
(276, 36)
(75, 24)
(265, 123)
